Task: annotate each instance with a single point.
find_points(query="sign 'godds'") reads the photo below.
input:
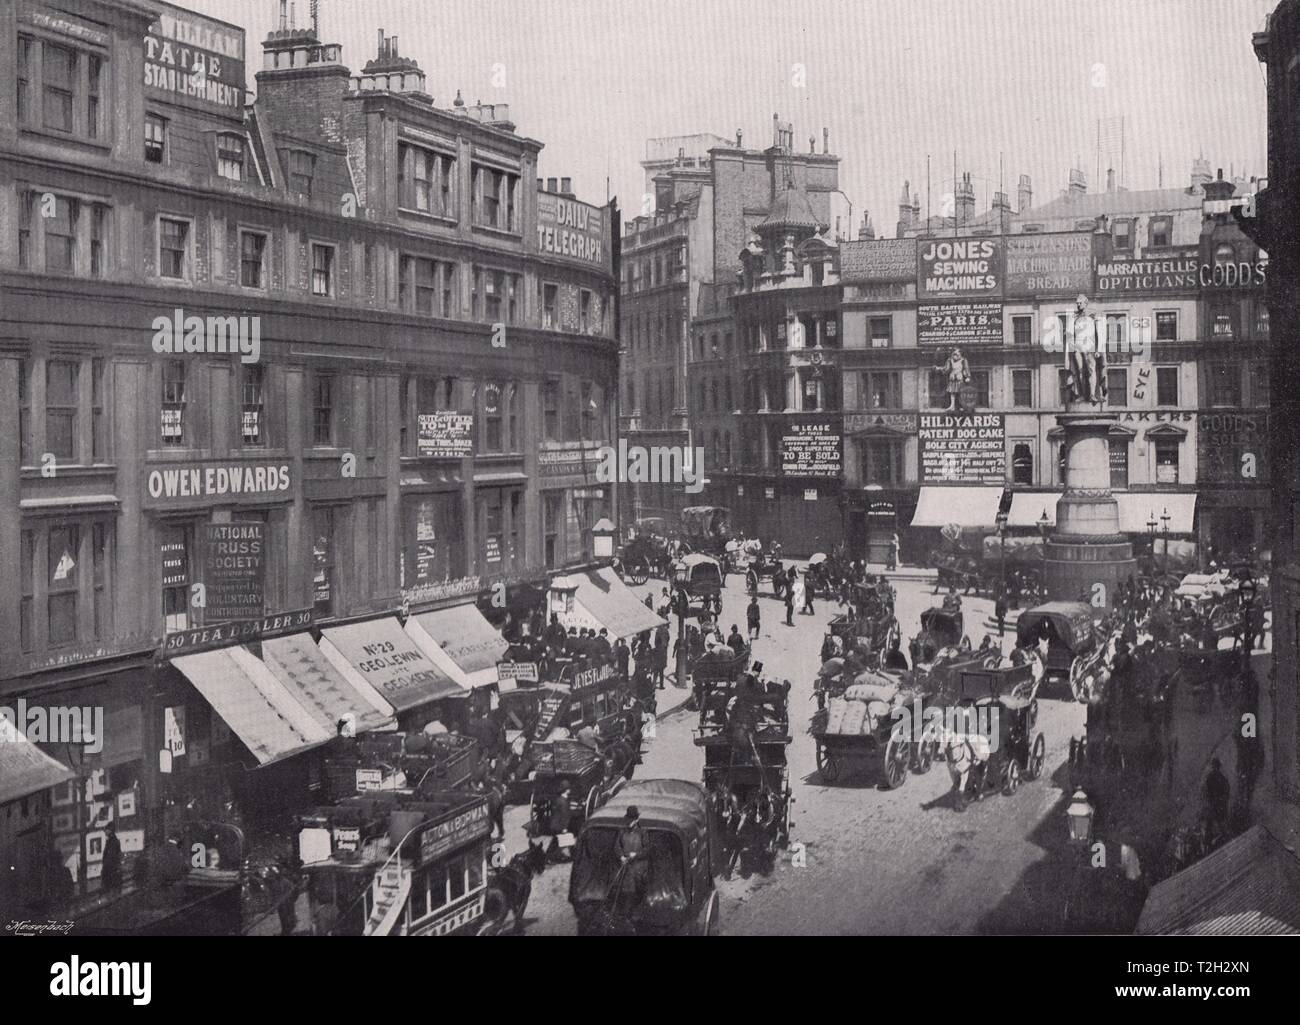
(195, 61)
(959, 267)
(961, 448)
(1233, 447)
(572, 230)
(811, 450)
(1049, 264)
(1168, 272)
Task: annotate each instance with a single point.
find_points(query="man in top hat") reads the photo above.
(631, 850)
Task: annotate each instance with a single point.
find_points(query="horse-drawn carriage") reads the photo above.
(998, 748)
(570, 781)
(760, 565)
(860, 722)
(941, 629)
(669, 886)
(958, 569)
(722, 665)
(873, 629)
(700, 578)
(645, 556)
(1068, 629)
(823, 575)
(706, 531)
(744, 729)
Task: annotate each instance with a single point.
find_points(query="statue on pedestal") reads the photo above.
(1086, 356)
(958, 371)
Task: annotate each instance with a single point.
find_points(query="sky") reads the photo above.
(1012, 86)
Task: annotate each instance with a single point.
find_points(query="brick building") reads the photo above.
(427, 365)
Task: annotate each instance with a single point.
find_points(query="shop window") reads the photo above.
(177, 543)
(253, 404)
(1119, 463)
(1022, 463)
(173, 403)
(433, 551)
(1167, 461)
(324, 560)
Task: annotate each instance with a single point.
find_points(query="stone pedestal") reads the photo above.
(1087, 548)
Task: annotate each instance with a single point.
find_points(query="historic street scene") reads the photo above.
(481, 470)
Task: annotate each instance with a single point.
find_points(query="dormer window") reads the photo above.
(1123, 234)
(230, 156)
(301, 170)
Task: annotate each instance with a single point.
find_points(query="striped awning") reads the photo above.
(966, 507)
(260, 710)
(1027, 508)
(461, 642)
(1138, 509)
(386, 658)
(327, 695)
(24, 768)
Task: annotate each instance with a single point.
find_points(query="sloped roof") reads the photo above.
(790, 209)
(1094, 204)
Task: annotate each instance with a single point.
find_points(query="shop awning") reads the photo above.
(254, 704)
(1136, 510)
(601, 599)
(1027, 508)
(383, 655)
(460, 642)
(321, 689)
(24, 768)
(966, 507)
(1249, 886)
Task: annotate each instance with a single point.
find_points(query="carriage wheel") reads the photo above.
(785, 819)
(1011, 776)
(1037, 755)
(926, 751)
(711, 916)
(638, 572)
(1033, 714)
(892, 634)
(898, 756)
(827, 764)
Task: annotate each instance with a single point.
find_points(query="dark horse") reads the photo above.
(508, 890)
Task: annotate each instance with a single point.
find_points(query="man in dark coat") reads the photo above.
(789, 606)
(112, 871)
(621, 656)
(753, 618)
(1217, 792)
(735, 641)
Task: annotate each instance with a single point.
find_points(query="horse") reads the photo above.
(508, 890)
(965, 756)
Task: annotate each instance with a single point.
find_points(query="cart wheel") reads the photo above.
(898, 755)
(785, 819)
(827, 764)
(926, 751)
(1011, 776)
(1037, 754)
(593, 802)
(638, 572)
(1033, 713)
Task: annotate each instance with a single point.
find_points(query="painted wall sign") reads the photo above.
(223, 634)
(1054, 263)
(572, 231)
(811, 450)
(234, 564)
(198, 482)
(958, 448)
(1176, 272)
(959, 267)
(959, 324)
(446, 435)
(878, 260)
(195, 61)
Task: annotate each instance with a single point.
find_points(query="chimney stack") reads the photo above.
(1201, 173)
(965, 199)
(1110, 179)
(865, 230)
(740, 138)
(826, 140)
(1078, 182)
(812, 144)
(905, 219)
(1025, 196)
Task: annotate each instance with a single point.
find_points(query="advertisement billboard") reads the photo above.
(195, 61)
(811, 450)
(445, 435)
(886, 259)
(1051, 264)
(960, 323)
(1176, 271)
(962, 448)
(572, 231)
(234, 565)
(959, 268)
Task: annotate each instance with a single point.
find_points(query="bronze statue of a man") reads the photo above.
(1086, 356)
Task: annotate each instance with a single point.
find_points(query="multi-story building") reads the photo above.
(1273, 226)
(340, 322)
(708, 199)
(1001, 287)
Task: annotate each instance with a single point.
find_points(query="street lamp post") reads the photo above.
(1002, 545)
(1044, 525)
(1164, 530)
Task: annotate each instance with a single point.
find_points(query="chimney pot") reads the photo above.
(740, 138)
(826, 140)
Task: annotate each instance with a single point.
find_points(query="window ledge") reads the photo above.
(505, 233)
(443, 219)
